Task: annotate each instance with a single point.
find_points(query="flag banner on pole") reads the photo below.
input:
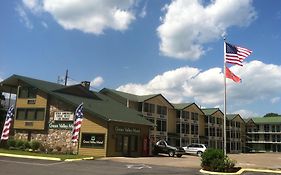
(231, 75)
(7, 124)
(77, 123)
(236, 54)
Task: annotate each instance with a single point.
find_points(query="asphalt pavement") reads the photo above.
(188, 165)
(21, 166)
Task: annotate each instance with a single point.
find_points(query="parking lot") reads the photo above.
(258, 160)
(187, 165)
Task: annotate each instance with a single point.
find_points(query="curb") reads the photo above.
(241, 171)
(30, 157)
(72, 160)
(44, 158)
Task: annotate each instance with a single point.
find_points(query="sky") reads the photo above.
(149, 47)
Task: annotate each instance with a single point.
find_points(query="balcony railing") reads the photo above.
(263, 141)
(263, 132)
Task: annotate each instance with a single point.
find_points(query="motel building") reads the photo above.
(154, 108)
(44, 111)
(116, 123)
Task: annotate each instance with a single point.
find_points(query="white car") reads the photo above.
(195, 148)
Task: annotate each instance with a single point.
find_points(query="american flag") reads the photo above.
(77, 123)
(236, 54)
(7, 124)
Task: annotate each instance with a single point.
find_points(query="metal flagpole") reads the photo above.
(224, 105)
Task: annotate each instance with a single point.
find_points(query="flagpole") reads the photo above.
(224, 105)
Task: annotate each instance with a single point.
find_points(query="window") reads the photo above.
(178, 128)
(134, 143)
(185, 128)
(227, 123)
(212, 119)
(194, 129)
(219, 121)
(194, 116)
(206, 119)
(161, 125)
(118, 143)
(238, 124)
(21, 114)
(233, 145)
(27, 92)
(185, 115)
(162, 110)
(31, 114)
(273, 138)
(273, 128)
(257, 137)
(178, 114)
(278, 138)
(219, 132)
(150, 108)
(266, 137)
(266, 128)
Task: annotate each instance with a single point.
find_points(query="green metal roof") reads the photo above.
(210, 111)
(132, 97)
(231, 116)
(181, 106)
(267, 120)
(102, 107)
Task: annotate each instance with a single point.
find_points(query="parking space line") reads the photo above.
(29, 163)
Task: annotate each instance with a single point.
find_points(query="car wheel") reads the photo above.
(199, 153)
(171, 153)
(179, 155)
(155, 153)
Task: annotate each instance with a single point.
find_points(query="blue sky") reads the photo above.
(143, 47)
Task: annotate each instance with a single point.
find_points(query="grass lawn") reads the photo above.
(61, 156)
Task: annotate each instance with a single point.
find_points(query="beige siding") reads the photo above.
(134, 105)
(36, 125)
(40, 102)
(97, 127)
(172, 121)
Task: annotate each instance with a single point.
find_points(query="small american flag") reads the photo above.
(77, 123)
(7, 124)
(236, 54)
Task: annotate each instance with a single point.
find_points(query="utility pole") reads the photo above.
(66, 76)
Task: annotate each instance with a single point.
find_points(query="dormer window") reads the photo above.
(27, 92)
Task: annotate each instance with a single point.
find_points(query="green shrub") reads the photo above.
(19, 144)
(215, 160)
(26, 144)
(35, 145)
(11, 143)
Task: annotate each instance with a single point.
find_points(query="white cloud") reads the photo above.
(275, 100)
(187, 25)
(24, 17)
(97, 81)
(143, 11)
(260, 82)
(90, 16)
(246, 113)
(34, 5)
(170, 83)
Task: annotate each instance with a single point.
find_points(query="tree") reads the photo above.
(271, 115)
